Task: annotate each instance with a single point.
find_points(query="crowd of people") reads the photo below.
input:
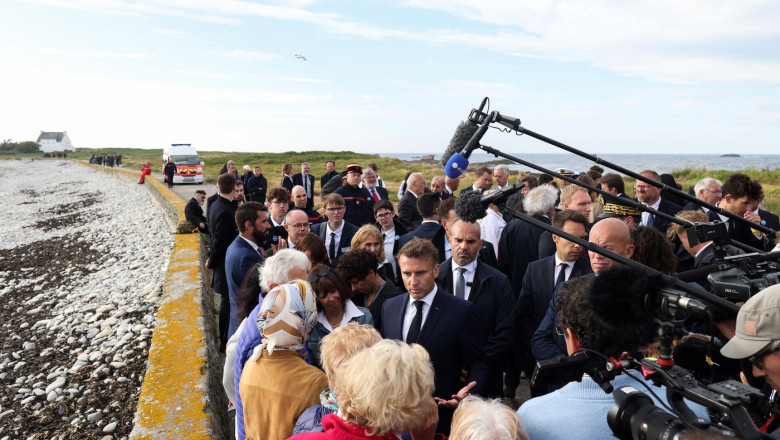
(109, 160)
(374, 319)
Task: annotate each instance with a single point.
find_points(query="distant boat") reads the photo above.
(730, 155)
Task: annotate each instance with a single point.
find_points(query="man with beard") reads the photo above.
(244, 252)
(193, 212)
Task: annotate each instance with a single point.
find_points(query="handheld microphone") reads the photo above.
(460, 138)
(459, 162)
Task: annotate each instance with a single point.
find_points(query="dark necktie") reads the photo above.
(460, 287)
(650, 219)
(332, 249)
(562, 274)
(414, 328)
(731, 226)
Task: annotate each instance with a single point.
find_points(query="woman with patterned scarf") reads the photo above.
(277, 384)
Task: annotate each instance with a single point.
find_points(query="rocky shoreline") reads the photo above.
(82, 263)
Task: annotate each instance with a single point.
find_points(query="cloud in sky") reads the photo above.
(243, 55)
(384, 71)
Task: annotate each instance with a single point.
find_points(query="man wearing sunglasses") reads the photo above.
(757, 339)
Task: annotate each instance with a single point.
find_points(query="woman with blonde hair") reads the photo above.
(337, 347)
(382, 390)
(369, 238)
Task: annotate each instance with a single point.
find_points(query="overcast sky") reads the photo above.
(392, 76)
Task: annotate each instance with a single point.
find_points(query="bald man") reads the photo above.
(609, 233)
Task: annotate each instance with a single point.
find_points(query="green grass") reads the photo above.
(391, 170)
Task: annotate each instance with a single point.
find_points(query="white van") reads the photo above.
(189, 168)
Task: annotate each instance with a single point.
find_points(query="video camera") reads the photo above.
(748, 275)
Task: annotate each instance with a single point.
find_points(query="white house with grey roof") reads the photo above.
(51, 141)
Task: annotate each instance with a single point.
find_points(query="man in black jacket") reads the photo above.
(222, 228)
(194, 213)
(256, 186)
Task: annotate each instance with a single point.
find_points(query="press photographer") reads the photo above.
(584, 405)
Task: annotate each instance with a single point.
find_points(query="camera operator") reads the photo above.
(757, 339)
(579, 409)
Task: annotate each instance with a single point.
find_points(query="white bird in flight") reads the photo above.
(300, 57)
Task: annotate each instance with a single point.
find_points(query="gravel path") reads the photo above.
(83, 258)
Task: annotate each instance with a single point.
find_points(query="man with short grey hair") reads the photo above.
(707, 190)
(306, 180)
(408, 214)
(369, 182)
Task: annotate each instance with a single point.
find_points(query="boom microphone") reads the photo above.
(468, 206)
(459, 162)
(463, 133)
(698, 274)
(496, 195)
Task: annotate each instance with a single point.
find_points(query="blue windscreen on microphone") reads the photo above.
(456, 166)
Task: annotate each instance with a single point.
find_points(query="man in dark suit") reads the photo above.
(244, 252)
(305, 180)
(740, 195)
(427, 206)
(609, 233)
(482, 182)
(222, 229)
(279, 204)
(650, 195)
(331, 173)
(519, 244)
(613, 183)
(707, 190)
(256, 186)
(541, 278)
(487, 254)
(446, 326)
(408, 214)
(488, 289)
(370, 183)
(194, 213)
(336, 232)
(391, 229)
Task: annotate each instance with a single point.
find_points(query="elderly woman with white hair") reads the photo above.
(382, 392)
(480, 419)
(285, 266)
(277, 384)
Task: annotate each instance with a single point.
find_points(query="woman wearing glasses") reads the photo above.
(334, 308)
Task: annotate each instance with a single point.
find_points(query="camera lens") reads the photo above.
(635, 417)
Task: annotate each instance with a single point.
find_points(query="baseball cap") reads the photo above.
(758, 324)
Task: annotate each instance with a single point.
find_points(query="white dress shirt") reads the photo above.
(411, 310)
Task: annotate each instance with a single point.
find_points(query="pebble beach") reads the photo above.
(83, 258)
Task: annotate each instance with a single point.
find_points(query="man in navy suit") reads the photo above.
(427, 206)
(483, 181)
(222, 229)
(306, 180)
(244, 252)
(370, 183)
(408, 214)
(489, 290)
(650, 195)
(336, 232)
(543, 276)
(740, 196)
(445, 325)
